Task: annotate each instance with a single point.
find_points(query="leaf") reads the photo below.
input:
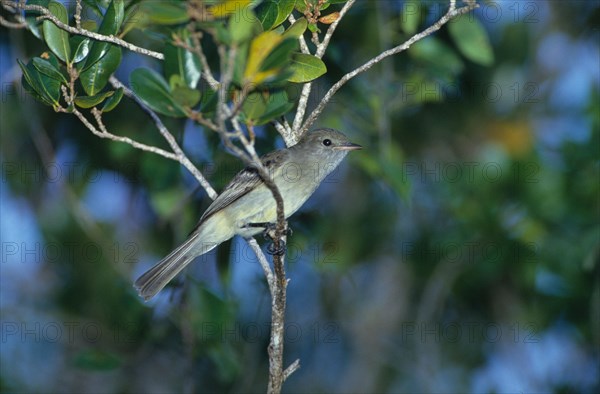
(306, 68)
(31, 18)
(154, 91)
(260, 47)
(297, 29)
(186, 96)
(42, 87)
(472, 40)
(56, 38)
(113, 100)
(278, 104)
(49, 69)
(165, 12)
(180, 61)
(329, 18)
(82, 48)
(254, 107)
(280, 55)
(243, 25)
(272, 13)
(228, 7)
(92, 101)
(95, 78)
(110, 26)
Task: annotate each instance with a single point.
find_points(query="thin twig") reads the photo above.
(77, 15)
(180, 156)
(325, 43)
(46, 14)
(452, 13)
(12, 25)
(301, 39)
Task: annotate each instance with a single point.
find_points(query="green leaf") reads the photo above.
(472, 40)
(181, 62)
(110, 26)
(95, 78)
(272, 13)
(49, 69)
(153, 90)
(56, 38)
(165, 12)
(297, 29)
(306, 68)
(82, 48)
(113, 100)
(31, 18)
(411, 15)
(254, 107)
(42, 87)
(243, 25)
(92, 101)
(186, 96)
(280, 55)
(278, 104)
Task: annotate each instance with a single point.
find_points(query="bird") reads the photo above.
(246, 204)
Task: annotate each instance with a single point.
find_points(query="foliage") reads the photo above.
(409, 241)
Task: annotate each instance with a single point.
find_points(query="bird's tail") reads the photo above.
(157, 277)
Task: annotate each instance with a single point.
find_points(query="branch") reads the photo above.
(178, 152)
(306, 89)
(322, 47)
(46, 14)
(452, 13)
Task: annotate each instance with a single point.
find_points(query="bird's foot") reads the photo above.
(269, 234)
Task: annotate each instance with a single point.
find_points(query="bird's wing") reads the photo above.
(244, 182)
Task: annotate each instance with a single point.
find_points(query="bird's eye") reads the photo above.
(327, 142)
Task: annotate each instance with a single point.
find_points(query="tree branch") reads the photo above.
(297, 132)
(46, 14)
(452, 13)
(180, 156)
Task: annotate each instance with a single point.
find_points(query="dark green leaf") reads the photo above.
(278, 104)
(254, 107)
(472, 40)
(153, 90)
(56, 38)
(181, 62)
(31, 18)
(82, 48)
(45, 89)
(95, 78)
(113, 100)
(49, 69)
(110, 26)
(306, 68)
(92, 101)
(272, 13)
(280, 55)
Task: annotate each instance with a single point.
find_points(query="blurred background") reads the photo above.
(458, 252)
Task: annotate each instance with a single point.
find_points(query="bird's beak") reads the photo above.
(349, 146)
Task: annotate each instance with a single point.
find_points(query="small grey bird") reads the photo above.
(246, 202)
